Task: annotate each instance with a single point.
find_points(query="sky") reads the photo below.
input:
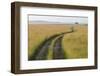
(57, 19)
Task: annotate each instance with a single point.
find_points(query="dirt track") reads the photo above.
(58, 52)
(42, 51)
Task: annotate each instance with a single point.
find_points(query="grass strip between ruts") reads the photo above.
(50, 50)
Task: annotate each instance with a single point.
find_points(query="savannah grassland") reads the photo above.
(74, 44)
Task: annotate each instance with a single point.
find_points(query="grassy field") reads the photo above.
(74, 44)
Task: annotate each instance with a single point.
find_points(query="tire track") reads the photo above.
(41, 51)
(58, 52)
(42, 55)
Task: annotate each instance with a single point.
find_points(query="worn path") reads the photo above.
(42, 51)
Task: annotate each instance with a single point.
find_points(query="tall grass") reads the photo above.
(75, 44)
(39, 32)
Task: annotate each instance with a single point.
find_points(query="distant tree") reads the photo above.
(76, 23)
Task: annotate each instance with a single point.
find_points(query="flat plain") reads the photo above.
(57, 41)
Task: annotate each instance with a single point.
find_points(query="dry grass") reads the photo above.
(74, 45)
(39, 32)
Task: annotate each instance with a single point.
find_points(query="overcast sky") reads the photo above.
(57, 19)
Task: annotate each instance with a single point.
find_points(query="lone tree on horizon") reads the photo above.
(76, 23)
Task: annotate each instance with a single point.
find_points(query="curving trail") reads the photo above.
(58, 52)
(41, 52)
